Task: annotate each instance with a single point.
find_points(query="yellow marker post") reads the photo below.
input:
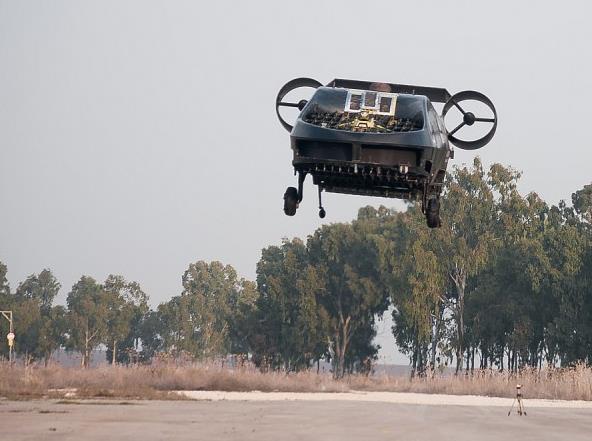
(10, 338)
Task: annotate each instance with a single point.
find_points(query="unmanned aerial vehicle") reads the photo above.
(377, 139)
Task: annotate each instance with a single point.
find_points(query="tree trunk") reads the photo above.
(433, 351)
(468, 360)
(114, 358)
(86, 356)
(460, 283)
(342, 349)
(85, 350)
(341, 343)
(414, 361)
(421, 360)
(436, 336)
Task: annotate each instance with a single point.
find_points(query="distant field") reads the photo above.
(157, 382)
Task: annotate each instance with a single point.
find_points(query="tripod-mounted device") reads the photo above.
(520, 409)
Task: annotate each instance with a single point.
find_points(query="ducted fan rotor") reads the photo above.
(469, 118)
(289, 87)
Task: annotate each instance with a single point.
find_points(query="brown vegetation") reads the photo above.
(157, 382)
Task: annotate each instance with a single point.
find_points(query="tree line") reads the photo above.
(504, 284)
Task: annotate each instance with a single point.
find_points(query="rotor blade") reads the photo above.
(489, 120)
(288, 104)
(456, 128)
(458, 106)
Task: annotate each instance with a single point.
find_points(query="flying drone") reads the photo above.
(377, 139)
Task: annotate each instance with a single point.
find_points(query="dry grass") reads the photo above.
(157, 382)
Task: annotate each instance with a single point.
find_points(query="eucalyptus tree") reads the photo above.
(173, 327)
(510, 287)
(568, 244)
(208, 292)
(464, 242)
(53, 331)
(88, 317)
(346, 256)
(420, 303)
(290, 323)
(414, 278)
(40, 325)
(127, 306)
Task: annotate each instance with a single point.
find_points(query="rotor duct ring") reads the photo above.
(287, 88)
(469, 119)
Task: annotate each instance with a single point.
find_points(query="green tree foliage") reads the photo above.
(4, 286)
(243, 306)
(319, 299)
(150, 333)
(208, 318)
(506, 277)
(582, 203)
(505, 283)
(41, 288)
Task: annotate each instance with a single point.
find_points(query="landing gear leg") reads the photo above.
(322, 212)
(301, 177)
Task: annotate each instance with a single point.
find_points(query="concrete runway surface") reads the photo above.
(283, 420)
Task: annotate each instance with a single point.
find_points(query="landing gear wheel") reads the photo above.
(433, 213)
(322, 213)
(290, 201)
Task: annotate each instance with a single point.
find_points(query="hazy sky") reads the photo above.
(139, 136)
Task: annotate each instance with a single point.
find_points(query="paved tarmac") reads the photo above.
(283, 420)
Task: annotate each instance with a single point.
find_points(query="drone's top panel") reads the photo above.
(365, 110)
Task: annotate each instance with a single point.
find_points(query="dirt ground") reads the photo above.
(264, 420)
